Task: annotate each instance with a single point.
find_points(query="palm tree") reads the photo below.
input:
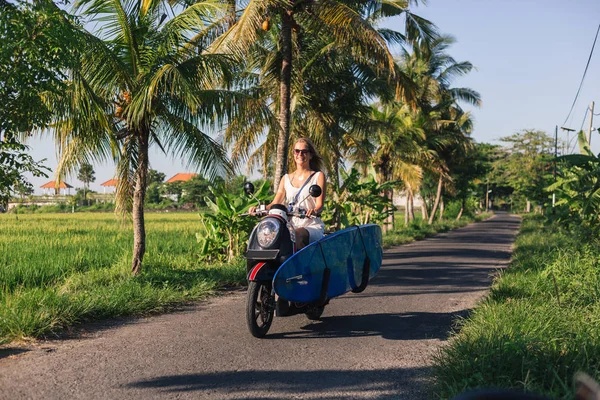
(144, 79)
(341, 25)
(399, 149)
(452, 140)
(448, 126)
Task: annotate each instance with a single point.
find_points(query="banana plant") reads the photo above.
(357, 201)
(577, 184)
(223, 230)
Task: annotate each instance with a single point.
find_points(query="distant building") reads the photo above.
(56, 187)
(109, 183)
(181, 177)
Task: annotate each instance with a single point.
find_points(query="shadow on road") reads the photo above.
(433, 277)
(479, 255)
(11, 351)
(392, 326)
(336, 384)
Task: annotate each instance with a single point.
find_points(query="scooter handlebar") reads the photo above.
(256, 213)
(303, 215)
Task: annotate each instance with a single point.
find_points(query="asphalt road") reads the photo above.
(377, 344)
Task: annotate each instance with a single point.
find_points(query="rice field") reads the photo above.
(57, 270)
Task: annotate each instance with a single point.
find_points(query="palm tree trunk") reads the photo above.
(337, 216)
(442, 209)
(406, 208)
(285, 89)
(386, 221)
(462, 208)
(391, 216)
(231, 17)
(411, 205)
(436, 203)
(424, 214)
(139, 193)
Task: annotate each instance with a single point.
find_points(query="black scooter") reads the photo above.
(271, 243)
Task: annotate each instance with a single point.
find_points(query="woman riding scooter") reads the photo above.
(293, 192)
(294, 187)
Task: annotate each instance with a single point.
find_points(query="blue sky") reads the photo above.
(529, 54)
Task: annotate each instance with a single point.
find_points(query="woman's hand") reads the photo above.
(313, 212)
(252, 210)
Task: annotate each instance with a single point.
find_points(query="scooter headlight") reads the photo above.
(267, 232)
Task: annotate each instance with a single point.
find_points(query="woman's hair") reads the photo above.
(316, 161)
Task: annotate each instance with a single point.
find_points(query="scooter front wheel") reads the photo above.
(260, 308)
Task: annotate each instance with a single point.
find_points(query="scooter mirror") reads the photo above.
(315, 190)
(249, 188)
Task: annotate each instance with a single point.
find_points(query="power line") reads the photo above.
(583, 77)
(584, 117)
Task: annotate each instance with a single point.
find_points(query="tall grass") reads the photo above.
(539, 325)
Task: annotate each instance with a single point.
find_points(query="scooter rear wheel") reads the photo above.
(260, 308)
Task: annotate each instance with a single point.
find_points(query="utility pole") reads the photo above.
(591, 121)
(568, 151)
(487, 193)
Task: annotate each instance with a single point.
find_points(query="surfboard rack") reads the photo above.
(323, 297)
(364, 282)
(325, 283)
(365, 276)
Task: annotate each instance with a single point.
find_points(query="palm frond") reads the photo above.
(116, 20)
(353, 31)
(184, 139)
(467, 95)
(245, 32)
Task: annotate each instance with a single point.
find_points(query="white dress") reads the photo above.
(314, 226)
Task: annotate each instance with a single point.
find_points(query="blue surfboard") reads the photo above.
(344, 254)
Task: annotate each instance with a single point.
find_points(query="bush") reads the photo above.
(224, 231)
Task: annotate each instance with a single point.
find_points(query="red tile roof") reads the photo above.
(53, 185)
(110, 182)
(183, 177)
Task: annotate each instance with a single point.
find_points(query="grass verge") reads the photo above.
(539, 325)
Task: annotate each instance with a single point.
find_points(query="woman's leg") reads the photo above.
(302, 238)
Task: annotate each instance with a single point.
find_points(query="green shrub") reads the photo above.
(224, 231)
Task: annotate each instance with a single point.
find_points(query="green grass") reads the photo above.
(59, 270)
(538, 327)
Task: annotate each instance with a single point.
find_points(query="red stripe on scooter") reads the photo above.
(255, 270)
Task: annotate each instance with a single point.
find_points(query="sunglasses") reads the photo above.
(303, 151)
